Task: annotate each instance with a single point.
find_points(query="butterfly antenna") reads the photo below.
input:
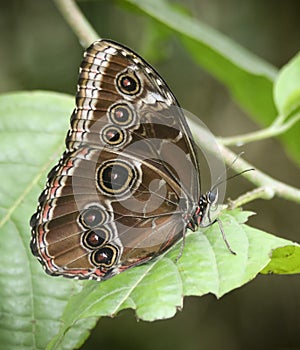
(228, 167)
(218, 183)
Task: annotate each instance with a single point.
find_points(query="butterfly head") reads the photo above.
(201, 217)
(207, 202)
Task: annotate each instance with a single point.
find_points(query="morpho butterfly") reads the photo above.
(127, 187)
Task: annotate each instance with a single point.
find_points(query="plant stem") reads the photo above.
(268, 186)
(273, 130)
(79, 24)
(266, 183)
(260, 192)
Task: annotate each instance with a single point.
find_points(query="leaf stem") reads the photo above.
(275, 129)
(260, 192)
(77, 21)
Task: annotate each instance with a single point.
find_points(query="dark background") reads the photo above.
(39, 51)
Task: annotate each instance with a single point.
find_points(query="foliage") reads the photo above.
(39, 311)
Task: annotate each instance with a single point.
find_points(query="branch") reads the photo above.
(273, 130)
(266, 184)
(79, 24)
(268, 187)
(260, 192)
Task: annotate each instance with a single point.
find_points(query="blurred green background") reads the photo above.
(39, 51)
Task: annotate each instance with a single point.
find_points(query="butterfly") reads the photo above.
(127, 187)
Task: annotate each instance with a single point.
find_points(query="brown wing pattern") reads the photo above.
(123, 189)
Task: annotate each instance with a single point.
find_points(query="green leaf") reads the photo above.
(156, 290)
(249, 78)
(285, 260)
(287, 99)
(287, 88)
(39, 311)
(32, 127)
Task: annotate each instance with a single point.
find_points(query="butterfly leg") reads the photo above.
(179, 255)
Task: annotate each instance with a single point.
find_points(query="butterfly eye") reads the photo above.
(112, 135)
(128, 83)
(92, 217)
(115, 177)
(105, 256)
(212, 196)
(121, 114)
(95, 238)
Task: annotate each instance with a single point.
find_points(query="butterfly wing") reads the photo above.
(123, 189)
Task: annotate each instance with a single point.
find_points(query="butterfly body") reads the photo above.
(127, 187)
